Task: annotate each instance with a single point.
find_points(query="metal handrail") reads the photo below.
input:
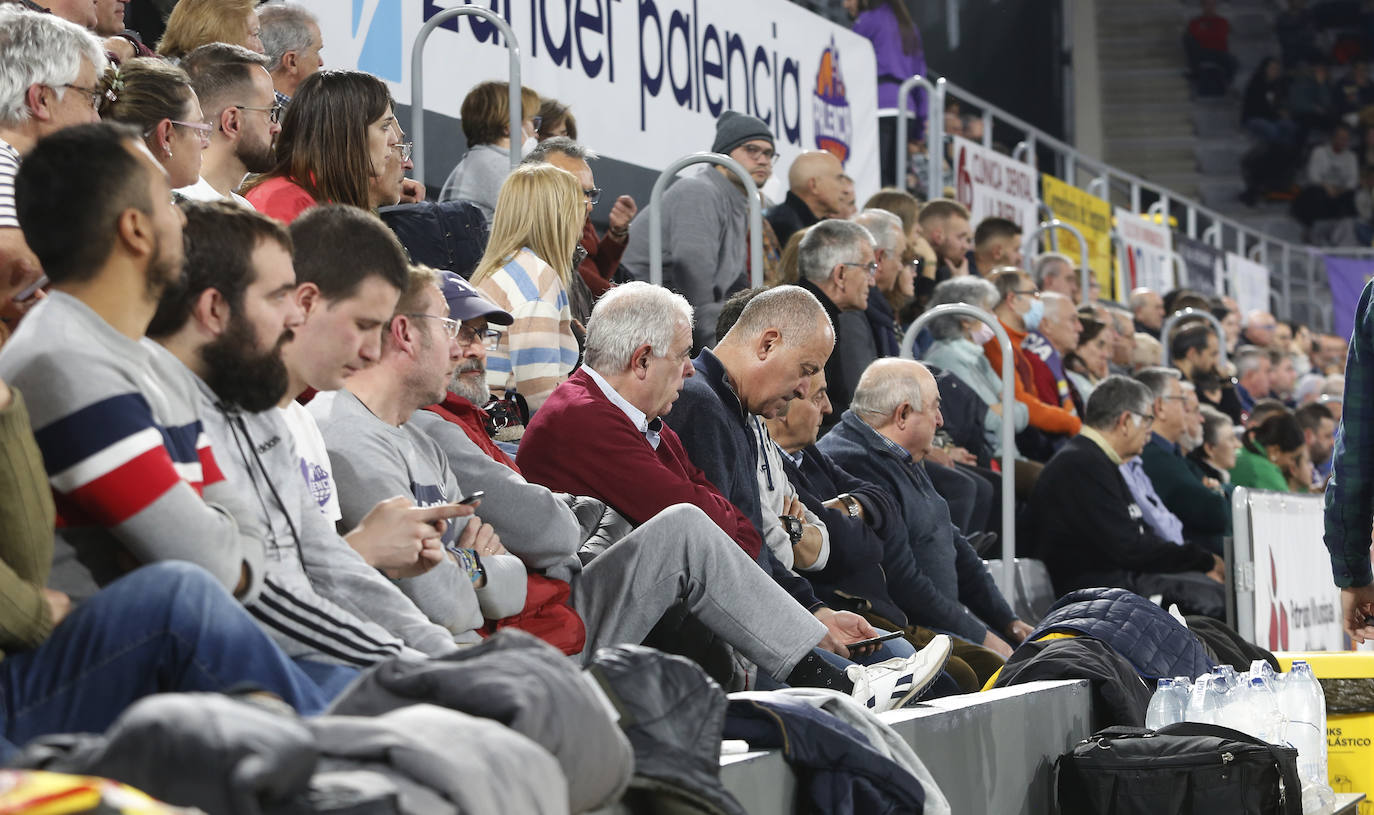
(935, 143)
(1166, 337)
(417, 85)
(656, 214)
(1008, 425)
(1050, 226)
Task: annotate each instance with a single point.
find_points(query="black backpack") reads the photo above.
(1182, 769)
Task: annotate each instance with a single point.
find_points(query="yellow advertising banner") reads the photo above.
(1093, 217)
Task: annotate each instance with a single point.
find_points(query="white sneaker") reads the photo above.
(895, 682)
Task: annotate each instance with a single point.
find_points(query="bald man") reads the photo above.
(816, 181)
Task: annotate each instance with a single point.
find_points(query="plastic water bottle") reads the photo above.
(1304, 703)
(1206, 700)
(1227, 674)
(1167, 706)
(1262, 669)
(1263, 713)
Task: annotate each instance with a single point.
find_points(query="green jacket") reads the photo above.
(1206, 514)
(1256, 471)
(26, 532)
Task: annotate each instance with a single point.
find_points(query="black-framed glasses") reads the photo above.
(95, 94)
(273, 113)
(871, 267)
(487, 337)
(1148, 417)
(755, 151)
(592, 194)
(406, 148)
(451, 327)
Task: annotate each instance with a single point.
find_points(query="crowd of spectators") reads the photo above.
(241, 425)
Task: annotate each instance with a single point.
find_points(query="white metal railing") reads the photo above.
(1288, 263)
(417, 80)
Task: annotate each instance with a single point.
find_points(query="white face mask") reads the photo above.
(982, 334)
(528, 145)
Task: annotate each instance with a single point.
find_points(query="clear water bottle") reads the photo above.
(1205, 701)
(1262, 669)
(1304, 704)
(1227, 674)
(1167, 706)
(1261, 704)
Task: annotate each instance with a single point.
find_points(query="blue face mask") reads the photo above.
(1032, 317)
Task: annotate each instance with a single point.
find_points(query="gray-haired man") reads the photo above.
(837, 265)
(292, 41)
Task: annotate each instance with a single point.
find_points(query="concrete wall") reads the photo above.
(1087, 88)
(990, 752)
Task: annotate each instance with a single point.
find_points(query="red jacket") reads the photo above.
(579, 442)
(471, 418)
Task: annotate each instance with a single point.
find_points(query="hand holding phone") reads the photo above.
(873, 642)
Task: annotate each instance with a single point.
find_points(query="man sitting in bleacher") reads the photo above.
(1082, 521)
(884, 437)
(1201, 507)
(226, 322)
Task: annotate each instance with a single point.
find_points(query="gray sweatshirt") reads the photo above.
(374, 461)
(478, 177)
(535, 524)
(320, 599)
(705, 246)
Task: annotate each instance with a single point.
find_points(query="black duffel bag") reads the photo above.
(1182, 769)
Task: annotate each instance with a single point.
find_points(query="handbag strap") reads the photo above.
(1292, 784)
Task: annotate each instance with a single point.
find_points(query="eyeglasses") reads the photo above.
(202, 130)
(406, 148)
(487, 337)
(592, 195)
(871, 267)
(755, 151)
(1027, 292)
(1147, 418)
(95, 94)
(273, 113)
(451, 327)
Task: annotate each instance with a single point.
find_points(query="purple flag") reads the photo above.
(1347, 277)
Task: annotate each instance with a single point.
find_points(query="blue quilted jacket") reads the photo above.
(1155, 643)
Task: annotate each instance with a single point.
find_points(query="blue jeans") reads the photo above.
(165, 627)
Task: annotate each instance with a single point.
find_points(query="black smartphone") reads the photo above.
(468, 500)
(874, 641)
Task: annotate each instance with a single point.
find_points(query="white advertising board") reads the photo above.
(1248, 282)
(645, 79)
(1147, 250)
(991, 184)
(1296, 605)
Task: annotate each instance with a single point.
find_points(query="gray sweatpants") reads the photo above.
(680, 555)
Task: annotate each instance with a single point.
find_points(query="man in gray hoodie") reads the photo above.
(706, 224)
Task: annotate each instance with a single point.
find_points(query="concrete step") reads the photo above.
(1219, 159)
(1216, 122)
(1220, 192)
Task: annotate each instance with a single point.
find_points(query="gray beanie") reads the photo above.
(734, 129)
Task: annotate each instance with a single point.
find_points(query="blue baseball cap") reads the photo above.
(466, 303)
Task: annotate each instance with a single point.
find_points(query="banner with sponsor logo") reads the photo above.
(1147, 252)
(1296, 607)
(1347, 277)
(1093, 217)
(645, 79)
(1203, 264)
(1248, 282)
(993, 185)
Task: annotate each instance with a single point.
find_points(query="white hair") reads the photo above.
(631, 315)
(828, 244)
(1045, 263)
(1053, 300)
(284, 28)
(969, 290)
(884, 386)
(40, 49)
(885, 227)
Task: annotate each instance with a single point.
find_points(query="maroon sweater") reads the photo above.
(580, 443)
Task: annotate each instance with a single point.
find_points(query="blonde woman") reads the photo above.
(194, 23)
(526, 271)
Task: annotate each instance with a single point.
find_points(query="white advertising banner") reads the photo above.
(1297, 607)
(1147, 248)
(645, 79)
(991, 184)
(1248, 282)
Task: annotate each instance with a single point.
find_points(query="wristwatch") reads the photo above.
(850, 503)
(794, 528)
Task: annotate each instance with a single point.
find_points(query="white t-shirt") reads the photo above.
(202, 191)
(315, 466)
